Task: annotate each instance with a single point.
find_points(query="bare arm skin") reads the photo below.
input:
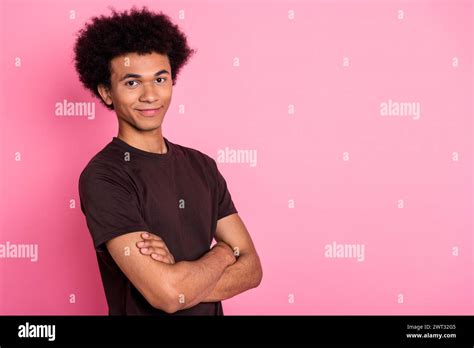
(244, 274)
(169, 287)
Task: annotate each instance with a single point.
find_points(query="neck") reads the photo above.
(146, 141)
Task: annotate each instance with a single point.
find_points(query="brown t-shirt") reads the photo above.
(178, 195)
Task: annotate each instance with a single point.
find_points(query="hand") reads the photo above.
(228, 250)
(155, 247)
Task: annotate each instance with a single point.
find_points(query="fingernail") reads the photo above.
(145, 235)
(145, 249)
(140, 244)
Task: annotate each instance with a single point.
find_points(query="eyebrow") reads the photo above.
(138, 76)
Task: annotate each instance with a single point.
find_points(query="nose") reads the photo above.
(149, 94)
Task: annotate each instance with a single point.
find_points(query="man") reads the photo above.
(154, 207)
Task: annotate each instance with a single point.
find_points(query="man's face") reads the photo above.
(139, 83)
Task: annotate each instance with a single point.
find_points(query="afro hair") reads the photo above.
(137, 31)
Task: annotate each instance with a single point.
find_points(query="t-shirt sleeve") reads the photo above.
(109, 205)
(225, 204)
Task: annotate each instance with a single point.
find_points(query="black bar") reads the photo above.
(162, 331)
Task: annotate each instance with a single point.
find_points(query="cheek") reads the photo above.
(125, 97)
(167, 95)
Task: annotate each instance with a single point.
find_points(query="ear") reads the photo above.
(105, 94)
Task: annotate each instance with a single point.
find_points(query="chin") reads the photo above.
(150, 128)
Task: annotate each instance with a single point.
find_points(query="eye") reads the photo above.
(133, 83)
(128, 83)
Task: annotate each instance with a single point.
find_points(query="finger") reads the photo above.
(150, 236)
(158, 244)
(152, 243)
(145, 251)
(149, 246)
(149, 250)
(161, 258)
(153, 239)
(159, 251)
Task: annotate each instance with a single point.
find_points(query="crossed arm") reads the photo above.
(231, 267)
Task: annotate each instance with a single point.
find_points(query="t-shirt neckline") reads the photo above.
(161, 156)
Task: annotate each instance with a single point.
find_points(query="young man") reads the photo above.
(153, 207)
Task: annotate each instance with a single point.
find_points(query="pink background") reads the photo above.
(283, 61)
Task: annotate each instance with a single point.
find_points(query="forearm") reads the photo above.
(194, 280)
(243, 275)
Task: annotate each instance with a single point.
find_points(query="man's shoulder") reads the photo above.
(195, 154)
(104, 162)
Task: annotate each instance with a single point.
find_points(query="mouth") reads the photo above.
(149, 112)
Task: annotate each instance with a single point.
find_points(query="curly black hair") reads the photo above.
(137, 31)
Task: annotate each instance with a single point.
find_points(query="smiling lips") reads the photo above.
(149, 112)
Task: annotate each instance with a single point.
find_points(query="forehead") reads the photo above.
(142, 64)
